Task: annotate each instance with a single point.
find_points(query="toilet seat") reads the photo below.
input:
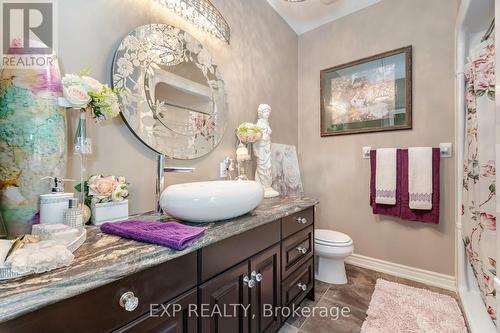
(331, 238)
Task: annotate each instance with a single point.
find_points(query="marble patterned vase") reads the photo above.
(32, 142)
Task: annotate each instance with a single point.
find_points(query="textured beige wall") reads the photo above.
(332, 167)
(259, 66)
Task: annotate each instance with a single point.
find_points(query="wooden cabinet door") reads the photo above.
(174, 317)
(266, 296)
(225, 296)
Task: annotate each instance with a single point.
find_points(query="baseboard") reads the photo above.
(411, 273)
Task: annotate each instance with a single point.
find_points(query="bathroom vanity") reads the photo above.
(264, 257)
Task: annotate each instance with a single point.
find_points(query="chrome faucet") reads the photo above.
(160, 177)
(229, 165)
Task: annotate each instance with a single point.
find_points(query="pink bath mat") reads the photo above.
(396, 308)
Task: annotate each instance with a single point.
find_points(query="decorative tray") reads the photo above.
(7, 274)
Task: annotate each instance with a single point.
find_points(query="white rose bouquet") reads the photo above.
(248, 133)
(84, 92)
(104, 189)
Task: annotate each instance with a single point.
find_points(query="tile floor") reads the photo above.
(356, 295)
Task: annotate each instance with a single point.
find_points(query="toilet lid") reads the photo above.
(330, 236)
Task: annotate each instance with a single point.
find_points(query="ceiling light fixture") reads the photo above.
(201, 13)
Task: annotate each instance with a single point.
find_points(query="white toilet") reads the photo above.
(331, 248)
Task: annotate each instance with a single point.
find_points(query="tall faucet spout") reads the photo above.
(160, 178)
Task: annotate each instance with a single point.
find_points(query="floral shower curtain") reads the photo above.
(479, 203)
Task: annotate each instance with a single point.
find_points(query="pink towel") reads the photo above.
(426, 216)
(392, 210)
(402, 207)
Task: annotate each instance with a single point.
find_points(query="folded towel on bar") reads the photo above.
(420, 177)
(407, 213)
(170, 234)
(386, 176)
(392, 210)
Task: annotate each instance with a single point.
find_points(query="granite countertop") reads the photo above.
(105, 258)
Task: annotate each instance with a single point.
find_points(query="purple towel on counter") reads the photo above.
(426, 216)
(392, 210)
(170, 234)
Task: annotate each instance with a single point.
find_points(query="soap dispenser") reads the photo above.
(54, 204)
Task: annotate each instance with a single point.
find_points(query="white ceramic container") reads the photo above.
(109, 211)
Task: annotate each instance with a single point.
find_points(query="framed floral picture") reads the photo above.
(367, 95)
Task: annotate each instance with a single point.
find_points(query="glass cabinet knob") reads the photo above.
(302, 250)
(302, 286)
(301, 220)
(128, 301)
(249, 282)
(257, 276)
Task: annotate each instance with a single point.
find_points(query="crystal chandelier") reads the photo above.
(203, 14)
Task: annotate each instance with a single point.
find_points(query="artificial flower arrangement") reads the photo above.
(248, 133)
(81, 91)
(100, 189)
(107, 197)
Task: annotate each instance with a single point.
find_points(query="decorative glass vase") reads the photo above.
(82, 147)
(32, 142)
(243, 157)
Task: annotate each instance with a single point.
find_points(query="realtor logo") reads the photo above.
(28, 32)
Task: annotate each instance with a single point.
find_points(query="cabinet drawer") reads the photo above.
(173, 317)
(220, 256)
(296, 250)
(295, 222)
(98, 310)
(298, 285)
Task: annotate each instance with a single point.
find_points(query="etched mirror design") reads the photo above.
(171, 93)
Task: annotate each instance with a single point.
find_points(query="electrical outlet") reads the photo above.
(223, 169)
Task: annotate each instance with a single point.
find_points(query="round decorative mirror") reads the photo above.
(171, 94)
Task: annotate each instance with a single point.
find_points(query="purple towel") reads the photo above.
(392, 210)
(426, 216)
(171, 234)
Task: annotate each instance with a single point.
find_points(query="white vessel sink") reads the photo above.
(211, 201)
